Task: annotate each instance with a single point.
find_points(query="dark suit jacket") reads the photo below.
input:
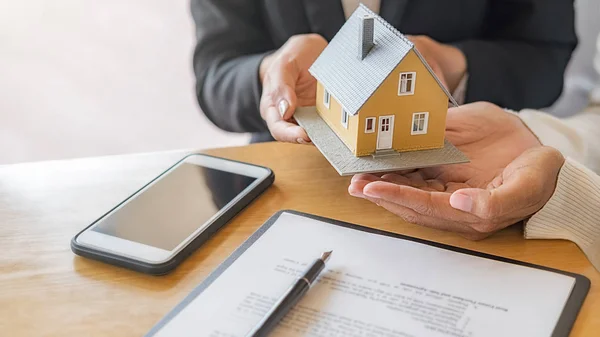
(517, 50)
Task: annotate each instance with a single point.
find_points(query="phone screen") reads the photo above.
(172, 208)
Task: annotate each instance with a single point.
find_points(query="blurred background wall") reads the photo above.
(87, 78)
(581, 76)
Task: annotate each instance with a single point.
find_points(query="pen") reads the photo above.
(290, 298)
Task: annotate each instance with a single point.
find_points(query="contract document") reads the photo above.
(373, 285)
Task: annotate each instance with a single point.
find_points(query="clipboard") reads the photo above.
(562, 329)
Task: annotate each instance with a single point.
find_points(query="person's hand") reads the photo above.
(447, 62)
(287, 84)
(510, 177)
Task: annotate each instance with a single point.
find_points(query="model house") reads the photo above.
(376, 92)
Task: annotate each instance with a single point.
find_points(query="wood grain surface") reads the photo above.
(46, 290)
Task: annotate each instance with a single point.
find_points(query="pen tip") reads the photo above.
(326, 256)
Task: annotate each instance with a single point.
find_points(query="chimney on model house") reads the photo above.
(365, 35)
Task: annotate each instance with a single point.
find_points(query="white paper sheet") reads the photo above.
(373, 285)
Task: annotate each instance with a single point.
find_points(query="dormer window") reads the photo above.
(326, 99)
(406, 85)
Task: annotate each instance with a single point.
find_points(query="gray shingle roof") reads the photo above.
(352, 81)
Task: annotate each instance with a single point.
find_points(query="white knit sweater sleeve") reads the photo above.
(573, 211)
(576, 137)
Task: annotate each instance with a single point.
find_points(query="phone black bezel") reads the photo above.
(168, 266)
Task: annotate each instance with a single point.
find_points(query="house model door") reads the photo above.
(385, 133)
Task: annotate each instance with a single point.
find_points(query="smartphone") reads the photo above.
(161, 224)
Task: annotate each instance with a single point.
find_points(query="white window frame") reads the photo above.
(413, 83)
(425, 123)
(347, 115)
(374, 125)
(327, 99)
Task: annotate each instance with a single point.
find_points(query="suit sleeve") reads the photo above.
(520, 59)
(231, 43)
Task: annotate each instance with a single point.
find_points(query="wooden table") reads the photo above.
(45, 290)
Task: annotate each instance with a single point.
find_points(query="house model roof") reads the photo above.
(352, 80)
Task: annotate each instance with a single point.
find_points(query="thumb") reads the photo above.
(286, 100)
(283, 86)
(527, 184)
(513, 199)
(471, 200)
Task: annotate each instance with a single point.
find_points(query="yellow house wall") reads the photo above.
(333, 117)
(428, 97)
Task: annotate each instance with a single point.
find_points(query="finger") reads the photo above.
(526, 185)
(365, 176)
(284, 131)
(445, 175)
(356, 188)
(304, 140)
(470, 117)
(416, 179)
(427, 173)
(495, 183)
(459, 173)
(431, 204)
(428, 185)
(403, 172)
(453, 187)
(432, 172)
(281, 81)
(359, 181)
(413, 217)
(396, 179)
(464, 123)
(435, 185)
(457, 116)
(287, 102)
(279, 96)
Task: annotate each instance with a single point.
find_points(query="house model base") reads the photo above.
(346, 163)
